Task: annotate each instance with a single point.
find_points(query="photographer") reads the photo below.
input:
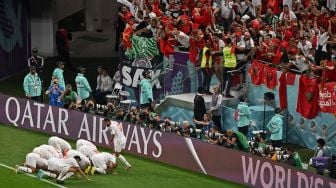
(120, 114)
(55, 91)
(132, 115)
(145, 117)
(258, 144)
(156, 122)
(235, 140)
(320, 152)
(186, 130)
(70, 98)
(293, 158)
(214, 136)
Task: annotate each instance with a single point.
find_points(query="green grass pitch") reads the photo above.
(16, 143)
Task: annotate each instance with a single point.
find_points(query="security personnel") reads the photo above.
(275, 126)
(36, 61)
(244, 114)
(206, 65)
(83, 86)
(58, 73)
(146, 90)
(230, 63)
(32, 85)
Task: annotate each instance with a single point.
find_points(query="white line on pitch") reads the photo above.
(46, 181)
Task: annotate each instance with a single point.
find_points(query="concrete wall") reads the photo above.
(42, 26)
(64, 8)
(109, 10)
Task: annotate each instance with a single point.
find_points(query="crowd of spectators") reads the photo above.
(293, 34)
(290, 34)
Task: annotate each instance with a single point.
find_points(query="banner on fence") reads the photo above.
(327, 97)
(169, 148)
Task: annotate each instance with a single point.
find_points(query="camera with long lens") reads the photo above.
(270, 149)
(332, 167)
(215, 135)
(281, 155)
(175, 123)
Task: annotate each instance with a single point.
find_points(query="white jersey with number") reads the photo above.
(35, 160)
(101, 160)
(84, 160)
(59, 143)
(88, 151)
(82, 142)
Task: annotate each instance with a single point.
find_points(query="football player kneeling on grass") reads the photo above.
(33, 162)
(82, 142)
(47, 152)
(59, 144)
(83, 163)
(104, 162)
(62, 169)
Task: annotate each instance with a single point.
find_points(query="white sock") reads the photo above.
(100, 170)
(61, 175)
(122, 158)
(68, 175)
(25, 169)
(50, 174)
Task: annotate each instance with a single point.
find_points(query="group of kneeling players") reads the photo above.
(59, 161)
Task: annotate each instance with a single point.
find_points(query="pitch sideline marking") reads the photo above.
(46, 181)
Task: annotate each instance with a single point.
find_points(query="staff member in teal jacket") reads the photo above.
(146, 90)
(275, 126)
(32, 85)
(58, 73)
(83, 86)
(244, 114)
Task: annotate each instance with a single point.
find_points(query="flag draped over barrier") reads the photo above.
(308, 96)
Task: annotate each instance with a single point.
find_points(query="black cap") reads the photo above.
(35, 50)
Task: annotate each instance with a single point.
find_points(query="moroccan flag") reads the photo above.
(126, 37)
(142, 47)
(308, 97)
(193, 52)
(256, 72)
(290, 78)
(270, 77)
(165, 47)
(283, 91)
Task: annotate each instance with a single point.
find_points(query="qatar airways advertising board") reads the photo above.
(179, 151)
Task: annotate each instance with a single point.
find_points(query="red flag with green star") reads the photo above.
(307, 102)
